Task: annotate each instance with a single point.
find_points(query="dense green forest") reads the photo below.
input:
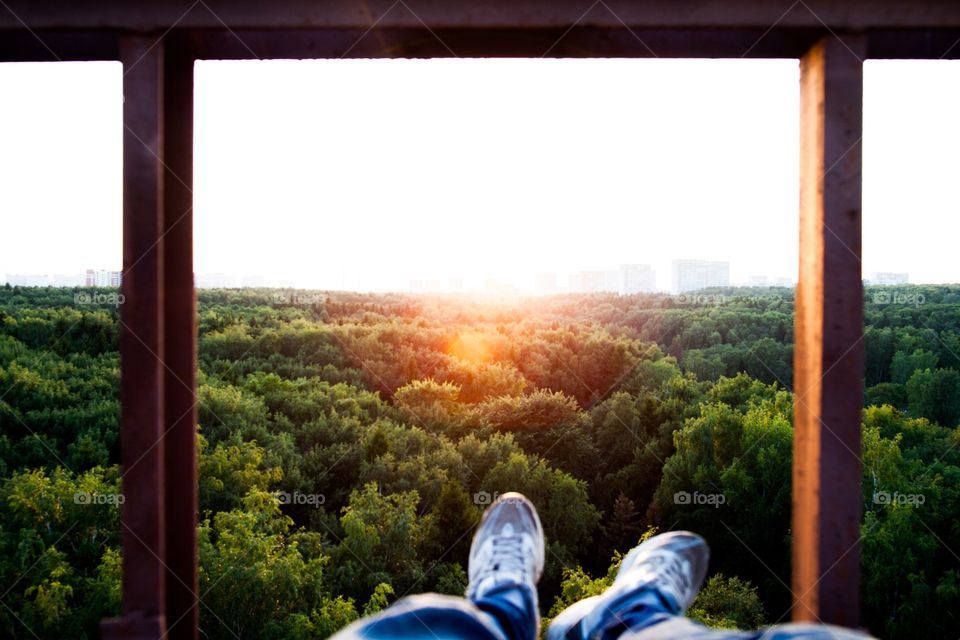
(349, 442)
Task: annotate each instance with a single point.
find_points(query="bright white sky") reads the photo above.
(367, 174)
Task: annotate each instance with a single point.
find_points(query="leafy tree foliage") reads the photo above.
(349, 443)
(728, 603)
(262, 580)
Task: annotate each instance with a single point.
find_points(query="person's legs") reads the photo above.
(429, 616)
(506, 561)
(680, 628)
(657, 582)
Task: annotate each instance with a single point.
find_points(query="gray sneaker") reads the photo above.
(507, 548)
(672, 565)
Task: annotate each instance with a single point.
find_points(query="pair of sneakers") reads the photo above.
(508, 549)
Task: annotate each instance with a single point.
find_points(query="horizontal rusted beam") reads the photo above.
(148, 15)
(22, 45)
(578, 42)
(919, 44)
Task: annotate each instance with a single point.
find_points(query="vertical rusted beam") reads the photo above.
(828, 362)
(181, 343)
(141, 339)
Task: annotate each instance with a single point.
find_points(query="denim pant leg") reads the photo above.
(515, 609)
(685, 629)
(645, 615)
(649, 615)
(502, 615)
(653, 617)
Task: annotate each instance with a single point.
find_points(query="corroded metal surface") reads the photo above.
(828, 360)
(141, 341)
(180, 357)
(344, 14)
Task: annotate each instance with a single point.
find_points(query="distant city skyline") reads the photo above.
(369, 174)
(692, 274)
(626, 279)
(687, 275)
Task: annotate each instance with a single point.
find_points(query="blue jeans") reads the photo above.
(511, 614)
(505, 613)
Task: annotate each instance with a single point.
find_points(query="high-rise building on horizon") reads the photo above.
(593, 281)
(637, 278)
(103, 278)
(626, 279)
(690, 275)
(612, 281)
(889, 278)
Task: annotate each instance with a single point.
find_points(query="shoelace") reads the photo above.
(672, 567)
(507, 555)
